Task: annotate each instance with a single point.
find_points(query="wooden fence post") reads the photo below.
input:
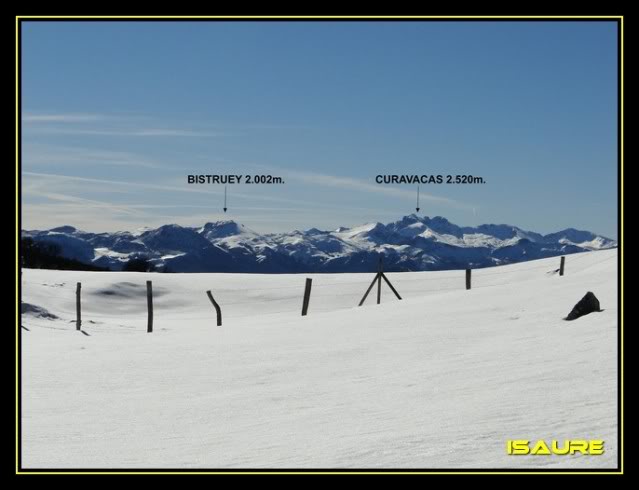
(307, 296)
(78, 311)
(561, 266)
(149, 303)
(218, 311)
(468, 278)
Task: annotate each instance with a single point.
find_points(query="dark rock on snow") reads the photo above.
(587, 304)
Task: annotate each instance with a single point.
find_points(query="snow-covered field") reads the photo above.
(441, 379)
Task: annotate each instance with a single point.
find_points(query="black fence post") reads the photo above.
(78, 310)
(307, 295)
(468, 278)
(218, 310)
(149, 304)
(561, 266)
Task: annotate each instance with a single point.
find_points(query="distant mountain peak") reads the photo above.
(223, 229)
(411, 218)
(224, 222)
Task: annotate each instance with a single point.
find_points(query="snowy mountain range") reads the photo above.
(411, 244)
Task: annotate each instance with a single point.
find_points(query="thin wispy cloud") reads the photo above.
(35, 184)
(66, 179)
(74, 181)
(47, 155)
(368, 187)
(144, 132)
(61, 118)
(166, 197)
(75, 201)
(108, 125)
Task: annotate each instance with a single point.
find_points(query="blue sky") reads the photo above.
(117, 114)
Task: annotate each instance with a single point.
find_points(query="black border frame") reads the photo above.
(618, 19)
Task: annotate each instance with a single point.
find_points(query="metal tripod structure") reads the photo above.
(378, 278)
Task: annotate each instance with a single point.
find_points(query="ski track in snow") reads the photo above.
(441, 379)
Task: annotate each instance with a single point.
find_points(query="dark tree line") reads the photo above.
(45, 255)
(139, 264)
